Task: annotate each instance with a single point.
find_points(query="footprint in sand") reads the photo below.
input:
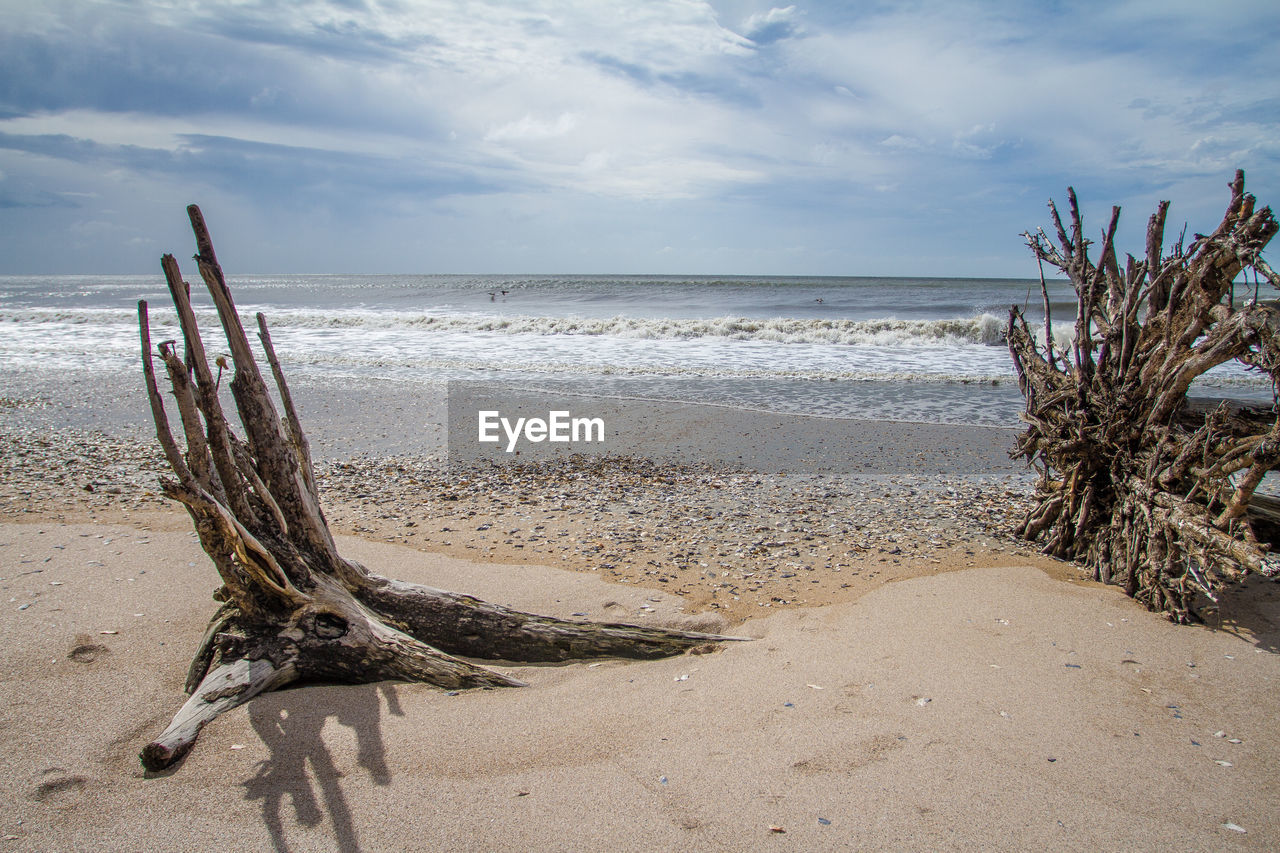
(59, 788)
(86, 650)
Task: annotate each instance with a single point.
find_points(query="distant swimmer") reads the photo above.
(819, 299)
(492, 295)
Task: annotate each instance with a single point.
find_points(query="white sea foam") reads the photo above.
(944, 350)
(984, 329)
(902, 349)
(683, 371)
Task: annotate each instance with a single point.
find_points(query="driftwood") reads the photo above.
(293, 609)
(1146, 490)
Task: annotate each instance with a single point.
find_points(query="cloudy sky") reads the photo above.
(640, 136)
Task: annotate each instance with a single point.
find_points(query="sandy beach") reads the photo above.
(916, 679)
(698, 325)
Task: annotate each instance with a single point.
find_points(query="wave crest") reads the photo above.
(985, 329)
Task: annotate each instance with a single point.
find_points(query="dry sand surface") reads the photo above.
(986, 708)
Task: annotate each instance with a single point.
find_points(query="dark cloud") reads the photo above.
(778, 24)
(264, 171)
(138, 67)
(11, 199)
(322, 176)
(724, 87)
(128, 71)
(1263, 110)
(61, 146)
(360, 117)
(718, 87)
(632, 71)
(336, 40)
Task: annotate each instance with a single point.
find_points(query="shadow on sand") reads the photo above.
(1250, 611)
(290, 723)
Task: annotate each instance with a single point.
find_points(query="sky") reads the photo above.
(636, 137)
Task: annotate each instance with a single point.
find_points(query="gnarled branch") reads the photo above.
(1139, 486)
(293, 608)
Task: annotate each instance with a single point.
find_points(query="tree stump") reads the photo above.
(1137, 484)
(292, 608)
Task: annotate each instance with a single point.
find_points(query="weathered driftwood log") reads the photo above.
(293, 609)
(1145, 489)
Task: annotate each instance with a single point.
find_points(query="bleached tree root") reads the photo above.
(1138, 485)
(293, 609)
(229, 686)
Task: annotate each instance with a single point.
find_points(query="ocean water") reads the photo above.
(911, 349)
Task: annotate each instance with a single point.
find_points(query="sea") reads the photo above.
(907, 349)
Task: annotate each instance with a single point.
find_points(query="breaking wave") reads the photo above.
(982, 329)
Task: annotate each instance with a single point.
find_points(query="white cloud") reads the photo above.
(899, 142)
(812, 110)
(533, 129)
(979, 141)
(612, 174)
(993, 87)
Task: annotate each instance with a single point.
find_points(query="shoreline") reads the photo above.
(844, 506)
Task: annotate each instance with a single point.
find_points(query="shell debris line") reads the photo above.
(731, 541)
